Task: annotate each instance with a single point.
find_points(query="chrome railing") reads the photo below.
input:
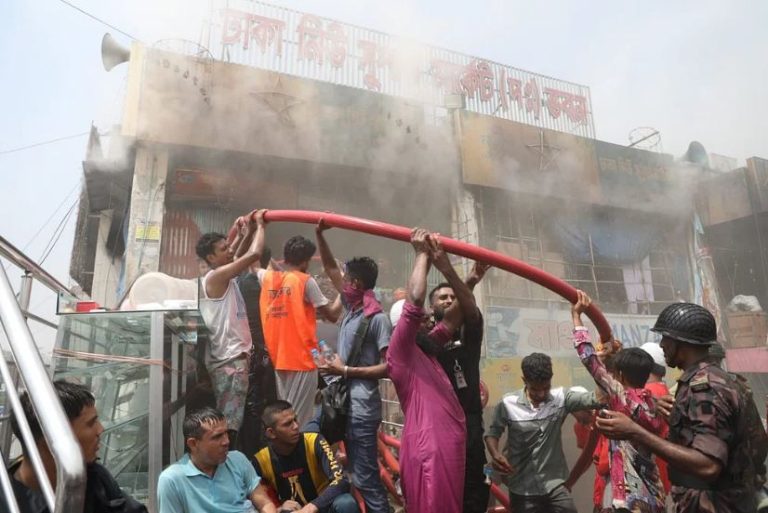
(69, 492)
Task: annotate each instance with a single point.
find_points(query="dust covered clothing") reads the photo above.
(709, 416)
(228, 349)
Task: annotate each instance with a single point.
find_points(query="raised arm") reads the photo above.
(464, 295)
(218, 281)
(417, 283)
(329, 263)
(478, 273)
(586, 350)
(238, 244)
(403, 341)
(248, 231)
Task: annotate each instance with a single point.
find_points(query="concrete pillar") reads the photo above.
(142, 248)
(465, 227)
(106, 268)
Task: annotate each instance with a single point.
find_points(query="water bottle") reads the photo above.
(326, 351)
(488, 471)
(320, 360)
(317, 357)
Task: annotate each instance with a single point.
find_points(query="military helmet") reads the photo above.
(687, 322)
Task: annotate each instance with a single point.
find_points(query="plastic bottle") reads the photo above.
(488, 471)
(326, 351)
(320, 360)
(317, 357)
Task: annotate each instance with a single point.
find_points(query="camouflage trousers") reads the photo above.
(230, 386)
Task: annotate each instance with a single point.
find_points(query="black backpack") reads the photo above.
(335, 397)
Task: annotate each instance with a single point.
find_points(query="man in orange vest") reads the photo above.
(290, 300)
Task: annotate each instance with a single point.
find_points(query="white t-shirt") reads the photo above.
(227, 321)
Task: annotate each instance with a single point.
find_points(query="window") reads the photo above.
(523, 227)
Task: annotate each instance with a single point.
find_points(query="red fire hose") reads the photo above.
(455, 247)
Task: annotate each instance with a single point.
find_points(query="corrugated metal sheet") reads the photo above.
(182, 227)
(270, 37)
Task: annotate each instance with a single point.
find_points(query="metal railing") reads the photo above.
(69, 492)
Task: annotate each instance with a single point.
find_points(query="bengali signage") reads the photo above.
(524, 158)
(270, 37)
(514, 332)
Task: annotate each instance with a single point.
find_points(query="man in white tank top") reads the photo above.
(223, 310)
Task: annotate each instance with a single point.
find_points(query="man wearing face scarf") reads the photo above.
(356, 289)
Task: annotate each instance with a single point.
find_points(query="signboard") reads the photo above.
(641, 179)
(188, 101)
(514, 332)
(148, 231)
(725, 198)
(513, 156)
(270, 37)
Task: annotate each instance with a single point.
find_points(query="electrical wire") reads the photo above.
(42, 143)
(99, 19)
(50, 217)
(57, 234)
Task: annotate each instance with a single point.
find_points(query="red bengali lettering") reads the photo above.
(337, 44)
(242, 27)
(369, 63)
(503, 98)
(310, 31)
(573, 106)
(515, 90)
(317, 43)
(532, 98)
(477, 77)
(267, 32)
(447, 75)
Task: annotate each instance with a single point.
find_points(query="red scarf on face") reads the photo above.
(354, 297)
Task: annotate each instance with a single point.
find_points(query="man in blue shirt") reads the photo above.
(356, 289)
(210, 477)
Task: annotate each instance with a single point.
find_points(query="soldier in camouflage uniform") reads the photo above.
(713, 439)
(756, 433)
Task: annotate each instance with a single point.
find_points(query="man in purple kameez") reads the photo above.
(433, 441)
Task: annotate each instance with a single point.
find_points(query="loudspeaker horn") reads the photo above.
(112, 52)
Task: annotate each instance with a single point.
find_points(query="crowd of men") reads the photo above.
(701, 448)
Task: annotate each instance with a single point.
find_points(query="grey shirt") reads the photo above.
(534, 443)
(365, 400)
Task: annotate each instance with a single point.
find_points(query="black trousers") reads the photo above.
(262, 389)
(476, 492)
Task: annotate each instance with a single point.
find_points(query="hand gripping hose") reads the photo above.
(455, 247)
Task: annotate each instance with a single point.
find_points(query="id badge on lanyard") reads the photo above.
(458, 373)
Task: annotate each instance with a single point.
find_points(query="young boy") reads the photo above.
(635, 485)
